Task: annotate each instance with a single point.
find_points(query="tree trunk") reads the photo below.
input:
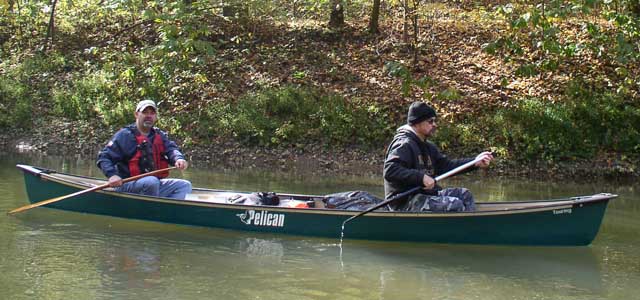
(375, 15)
(51, 27)
(337, 14)
(415, 34)
(405, 24)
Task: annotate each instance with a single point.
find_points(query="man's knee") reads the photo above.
(185, 186)
(149, 185)
(175, 188)
(149, 181)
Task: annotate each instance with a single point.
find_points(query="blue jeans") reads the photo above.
(152, 186)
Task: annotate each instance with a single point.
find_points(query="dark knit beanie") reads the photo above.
(418, 112)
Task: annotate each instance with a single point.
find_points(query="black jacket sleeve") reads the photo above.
(399, 166)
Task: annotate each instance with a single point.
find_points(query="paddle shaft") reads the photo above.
(415, 189)
(95, 188)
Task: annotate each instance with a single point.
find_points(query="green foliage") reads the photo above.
(398, 70)
(597, 113)
(290, 114)
(584, 124)
(535, 38)
(24, 84)
(183, 44)
(94, 95)
(213, 118)
(466, 136)
(536, 30)
(449, 94)
(287, 10)
(15, 106)
(110, 54)
(536, 129)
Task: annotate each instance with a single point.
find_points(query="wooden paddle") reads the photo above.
(415, 189)
(95, 188)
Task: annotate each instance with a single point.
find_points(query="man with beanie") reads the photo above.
(140, 148)
(411, 160)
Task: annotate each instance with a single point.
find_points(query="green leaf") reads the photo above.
(527, 70)
(490, 48)
(396, 69)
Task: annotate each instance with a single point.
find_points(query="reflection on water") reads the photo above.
(133, 257)
(55, 254)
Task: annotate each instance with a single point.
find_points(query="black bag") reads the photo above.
(355, 200)
(269, 198)
(423, 202)
(262, 198)
(444, 204)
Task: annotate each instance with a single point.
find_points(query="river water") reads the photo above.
(50, 254)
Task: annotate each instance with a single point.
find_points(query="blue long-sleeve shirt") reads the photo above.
(114, 158)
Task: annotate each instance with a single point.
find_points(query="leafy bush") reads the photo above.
(536, 129)
(92, 95)
(608, 121)
(291, 114)
(586, 123)
(24, 84)
(15, 104)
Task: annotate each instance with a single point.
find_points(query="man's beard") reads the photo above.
(147, 124)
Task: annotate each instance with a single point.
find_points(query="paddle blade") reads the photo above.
(30, 206)
(45, 202)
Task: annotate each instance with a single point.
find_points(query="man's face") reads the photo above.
(428, 127)
(147, 117)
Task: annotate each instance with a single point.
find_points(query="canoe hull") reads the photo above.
(573, 224)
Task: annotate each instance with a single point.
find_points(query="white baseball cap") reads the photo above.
(144, 104)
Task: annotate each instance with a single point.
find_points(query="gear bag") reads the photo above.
(447, 200)
(262, 198)
(354, 200)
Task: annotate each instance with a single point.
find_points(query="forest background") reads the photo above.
(551, 85)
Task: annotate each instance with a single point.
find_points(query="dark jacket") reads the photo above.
(408, 159)
(114, 158)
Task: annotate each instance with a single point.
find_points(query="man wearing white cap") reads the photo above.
(140, 148)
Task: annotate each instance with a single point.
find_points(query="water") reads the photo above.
(49, 254)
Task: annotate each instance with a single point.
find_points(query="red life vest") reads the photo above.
(143, 160)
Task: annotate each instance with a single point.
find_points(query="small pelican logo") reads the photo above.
(246, 216)
(261, 218)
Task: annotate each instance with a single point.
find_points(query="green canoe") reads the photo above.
(562, 222)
